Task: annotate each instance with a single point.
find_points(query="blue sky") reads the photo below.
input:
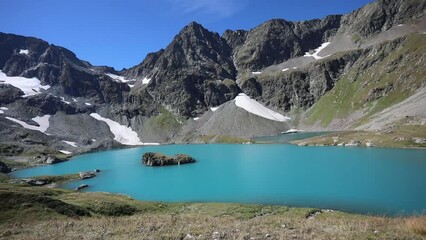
(120, 33)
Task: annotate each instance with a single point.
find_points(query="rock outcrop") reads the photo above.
(158, 159)
(4, 168)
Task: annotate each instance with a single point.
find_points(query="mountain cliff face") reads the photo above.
(278, 40)
(186, 69)
(57, 67)
(333, 73)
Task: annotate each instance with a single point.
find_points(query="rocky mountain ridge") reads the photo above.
(187, 91)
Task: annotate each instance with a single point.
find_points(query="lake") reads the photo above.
(360, 180)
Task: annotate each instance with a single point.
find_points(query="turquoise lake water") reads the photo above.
(362, 180)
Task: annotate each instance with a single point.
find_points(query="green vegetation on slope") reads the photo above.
(165, 120)
(401, 136)
(387, 75)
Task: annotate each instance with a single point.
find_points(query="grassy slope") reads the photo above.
(348, 96)
(41, 213)
(400, 137)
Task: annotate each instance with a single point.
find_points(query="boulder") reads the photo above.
(353, 143)
(419, 140)
(37, 182)
(48, 159)
(4, 168)
(158, 159)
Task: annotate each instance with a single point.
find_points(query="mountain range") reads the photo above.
(364, 70)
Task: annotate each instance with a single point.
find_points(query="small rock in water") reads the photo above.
(88, 174)
(369, 144)
(81, 187)
(96, 170)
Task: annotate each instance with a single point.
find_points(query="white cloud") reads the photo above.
(222, 8)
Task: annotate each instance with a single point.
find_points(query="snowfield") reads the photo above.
(30, 86)
(214, 108)
(146, 80)
(43, 123)
(256, 73)
(24, 51)
(317, 51)
(65, 152)
(124, 135)
(121, 79)
(250, 105)
(73, 144)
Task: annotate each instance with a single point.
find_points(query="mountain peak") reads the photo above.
(193, 27)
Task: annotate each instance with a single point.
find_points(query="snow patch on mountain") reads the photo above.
(317, 51)
(214, 108)
(43, 123)
(65, 152)
(119, 78)
(146, 80)
(63, 100)
(30, 86)
(252, 106)
(124, 135)
(73, 144)
(24, 51)
(256, 73)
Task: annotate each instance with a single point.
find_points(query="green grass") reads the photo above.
(34, 212)
(165, 121)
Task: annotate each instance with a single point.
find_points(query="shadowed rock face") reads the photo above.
(158, 159)
(4, 168)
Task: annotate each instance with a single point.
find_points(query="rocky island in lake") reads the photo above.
(154, 159)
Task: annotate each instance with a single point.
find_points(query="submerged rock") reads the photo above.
(159, 159)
